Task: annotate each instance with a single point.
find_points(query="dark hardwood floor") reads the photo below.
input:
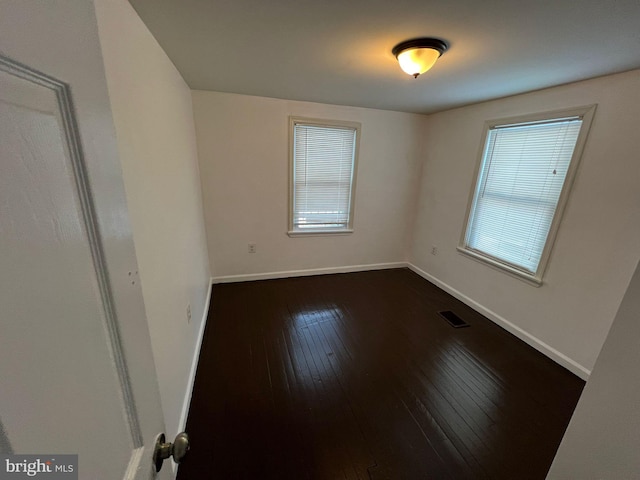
(356, 376)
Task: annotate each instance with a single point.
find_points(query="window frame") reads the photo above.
(293, 120)
(586, 113)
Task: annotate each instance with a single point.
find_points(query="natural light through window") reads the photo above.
(323, 167)
(526, 169)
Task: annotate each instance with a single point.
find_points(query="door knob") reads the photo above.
(178, 449)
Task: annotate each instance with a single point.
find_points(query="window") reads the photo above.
(526, 168)
(323, 166)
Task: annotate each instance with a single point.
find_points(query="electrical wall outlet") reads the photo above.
(252, 248)
(189, 313)
(434, 250)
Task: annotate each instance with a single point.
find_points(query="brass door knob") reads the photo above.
(178, 449)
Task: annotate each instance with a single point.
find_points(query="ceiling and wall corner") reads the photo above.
(340, 52)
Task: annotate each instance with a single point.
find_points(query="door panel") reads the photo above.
(55, 332)
(72, 308)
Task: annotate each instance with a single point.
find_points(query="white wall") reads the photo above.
(603, 436)
(597, 244)
(156, 139)
(243, 151)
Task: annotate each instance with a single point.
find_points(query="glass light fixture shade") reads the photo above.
(416, 61)
(418, 55)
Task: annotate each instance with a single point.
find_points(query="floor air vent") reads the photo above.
(454, 320)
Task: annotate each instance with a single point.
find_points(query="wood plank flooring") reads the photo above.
(356, 376)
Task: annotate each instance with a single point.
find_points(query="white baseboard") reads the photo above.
(194, 363)
(305, 273)
(523, 335)
(536, 343)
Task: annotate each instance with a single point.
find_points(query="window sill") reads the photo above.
(514, 272)
(319, 232)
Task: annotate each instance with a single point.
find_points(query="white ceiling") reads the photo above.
(339, 51)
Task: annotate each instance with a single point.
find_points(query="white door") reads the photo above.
(76, 369)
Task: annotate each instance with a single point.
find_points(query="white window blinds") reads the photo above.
(519, 184)
(323, 170)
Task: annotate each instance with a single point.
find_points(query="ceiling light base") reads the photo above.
(418, 55)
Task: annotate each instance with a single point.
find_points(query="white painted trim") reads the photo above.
(305, 273)
(135, 462)
(500, 266)
(533, 341)
(585, 113)
(194, 362)
(319, 232)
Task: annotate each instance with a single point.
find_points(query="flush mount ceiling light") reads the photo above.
(418, 55)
